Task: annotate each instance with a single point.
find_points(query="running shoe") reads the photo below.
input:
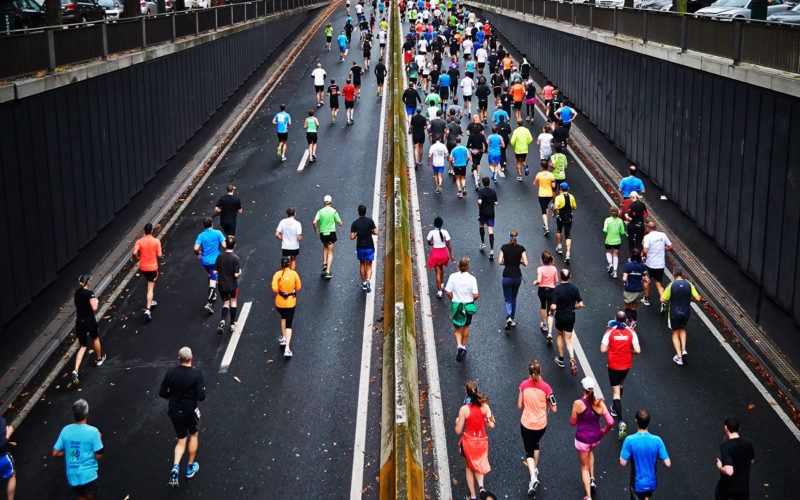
(612, 411)
(684, 354)
(678, 361)
(550, 341)
(282, 340)
(614, 275)
(450, 172)
(592, 484)
(233, 327)
(633, 325)
(174, 480)
(477, 186)
(491, 254)
(99, 362)
(542, 327)
(221, 327)
(439, 190)
(191, 470)
(532, 485)
(493, 178)
(324, 267)
(623, 431)
(328, 275)
(287, 353)
(283, 157)
(508, 322)
(481, 492)
(663, 308)
(573, 367)
(148, 316)
(513, 323)
(482, 247)
(461, 354)
(364, 286)
(566, 259)
(439, 294)
(559, 251)
(153, 304)
(369, 287)
(527, 170)
(644, 301)
(519, 178)
(279, 150)
(559, 362)
(460, 194)
(547, 231)
(208, 308)
(609, 269)
(75, 379)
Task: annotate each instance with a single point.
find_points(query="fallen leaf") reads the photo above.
(237, 379)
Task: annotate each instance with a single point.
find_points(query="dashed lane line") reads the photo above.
(235, 336)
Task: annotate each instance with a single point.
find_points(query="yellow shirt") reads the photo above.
(286, 281)
(559, 203)
(546, 179)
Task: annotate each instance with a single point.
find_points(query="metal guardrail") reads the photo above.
(35, 50)
(769, 44)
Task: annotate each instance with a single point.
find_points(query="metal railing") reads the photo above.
(24, 52)
(769, 44)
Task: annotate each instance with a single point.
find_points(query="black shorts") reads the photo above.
(613, 247)
(530, 439)
(150, 276)
(483, 105)
(379, 81)
(496, 91)
(517, 104)
(467, 98)
(616, 377)
(641, 495)
(328, 38)
(476, 160)
(489, 221)
(468, 322)
(545, 297)
(287, 313)
(228, 294)
(319, 88)
(283, 136)
(290, 252)
(656, 275)
(481, 65)
(521, 157)
(311, 137)
(356, 84)
(565, 324)
(444, 93)
(544, 202)
(335, 104)
(418, 139)
(229, 227)
(185, 424)
(460, 171)
(327, 239)
(677, 322)
(563, 228)
(85, 328)
(90, 488)
(349, 104)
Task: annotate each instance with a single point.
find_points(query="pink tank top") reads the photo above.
(474, 424)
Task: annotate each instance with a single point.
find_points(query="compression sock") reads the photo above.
(491, 241)
(483, 234)
(615, 262)
(617, 405)
(608, 258)
(233, 314)
(211, 294)
(224, 312)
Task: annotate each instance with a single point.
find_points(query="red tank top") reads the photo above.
(474, 424)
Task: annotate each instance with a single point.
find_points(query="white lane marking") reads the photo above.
(235, 336)
(359, 448)
(303, 161)
(584, 361)
(429, 338)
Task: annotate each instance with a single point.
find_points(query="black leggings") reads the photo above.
(287, 313)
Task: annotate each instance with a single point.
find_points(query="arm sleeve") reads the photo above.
(667, 292)
(605, 226)
(198, 240)
(725, 456)
(605, 339)
(662, 451)
(275, 288)
(297, 283)
(625, 453)
(59, 446)
(97, 443)
(694, 292)
(337, 218)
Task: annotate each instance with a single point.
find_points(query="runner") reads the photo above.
(283, 121)
(634, 275)
(558, 162)
(285, 285)
(328, 36)
(417, 127)
(437, 157)
(535, 397)
(521, 139)
(487, 200)
(482, 92)
(655, 247)
(504, 130)
(86, 325)
(184, 386)
(325, 222)
(380, 75)
(333, 93)
(546, 281)
(544, 179)
(319, 75)
(530, 101)
(736, 455)
(635, 215)
(614, 229)
(545, 143)
(81, 446)
(343, 41)
(646, 449)
(444, 89)
(290, 232)
(467, 88)
(363, 229)
(355, 76)
(228, 207)
(494, 146)
(441, 254)
(477, 145)
(7, 470)
(560, 136)
(512, 256)
(555, 103)
(547, 98)
(382, 38)
(563, 208)
(349, 93)
(147, 250)
(458, 159)
(518, 94)
(620, 342)
(206, 247)
(473, 418)
(566, 300)
(586, 414)
(348, 30)
(631, 183)
(497, 87)
(680, 294)
(228, 269)
(462, 290)
(311, 124)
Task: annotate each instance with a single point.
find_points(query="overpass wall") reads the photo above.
(727, 152)
(73, 156)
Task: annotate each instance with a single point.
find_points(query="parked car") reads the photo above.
(693, 6)
(113, 8)
(150, 7)
(609, 4)
(21, 14)
(726, 10)
(197, 4)
(81, 11)
(787, 16)
(661, 5)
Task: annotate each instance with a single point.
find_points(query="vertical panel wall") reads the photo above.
(725, 151)
(72, 157)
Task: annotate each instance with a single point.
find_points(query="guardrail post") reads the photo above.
(174, 30)
(231, 13)
(144, 33)
(591, 17)
(245, 12)
(644, 26)
(544, 10)
(51, 52)
(557, 18)
(216, 19)
(273, 6)
(572, 12)
(684, 33)
(615, 21)
(737, 42)
(196, 22)
(104, 39)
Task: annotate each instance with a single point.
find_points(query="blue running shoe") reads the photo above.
(174, 480)
(192, 469)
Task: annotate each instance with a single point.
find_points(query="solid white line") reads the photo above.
(235, 336)
(303, 161)
(436, 417)
(359, 448)
(584, 363)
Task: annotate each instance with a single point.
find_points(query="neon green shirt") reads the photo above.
(614, 229)
(327, 217)
(328, 31)
(559, 162)
(520, 140)
(433, 99)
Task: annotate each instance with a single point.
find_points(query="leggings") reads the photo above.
(510, 289)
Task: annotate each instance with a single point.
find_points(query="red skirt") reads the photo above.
(476, 453)
(438, 257)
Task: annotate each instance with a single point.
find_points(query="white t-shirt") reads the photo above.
(319, 77)
(655, 242)
(422, 46)
(438, 153)
(467, 85)
(481, 55)
(382, 37)
(432, 112)
(359, 9)
(439, 242)
(420, 60)
(546, 146)
(463, 286)
(466, 45)
(289, 229)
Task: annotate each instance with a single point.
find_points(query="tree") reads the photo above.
(52, 10)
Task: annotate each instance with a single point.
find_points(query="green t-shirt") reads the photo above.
(327, 218)
(559, 161)
(328, 31)
(433, 100)
(311, 124)
(614, 229)
(520, 140)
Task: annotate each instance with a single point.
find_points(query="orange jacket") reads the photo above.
(286, 281)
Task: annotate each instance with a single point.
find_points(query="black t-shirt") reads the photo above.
(83, 308)
(437, 127)
(453, 131)
(434, 76)
(492, 60)
(229, 206)
(565, 296)
(355, 72)
(380, 71)
(184, 387)
(560, 135)
(333, 91)
(737, 452)
(454, 75)
(505, 101)
(504, 130)
(408, 45)
(411, 98)
(488, 198)
(636, 212)
(483, 92)
(476, 141)
(348, 28)
(497, 80)
(227, 266)
(418, 124)
(512, 257)
(363, 227)
(475, 128)
(530, 91)
(367, 48)
(525, 69)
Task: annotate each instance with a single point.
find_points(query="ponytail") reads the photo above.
(535, 370)
(475, 397)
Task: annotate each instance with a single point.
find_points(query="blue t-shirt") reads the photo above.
(342, 41)
(444, 80)
(79, 442)
(427, 36)
(499, 113)
(636, 272)
(481, 37)
(566, 114)
(646, 449)
(630, 184)
(494, 144)
(209, 241)
(459, 156)
(283, 120)
(470, 66)
(420, 4)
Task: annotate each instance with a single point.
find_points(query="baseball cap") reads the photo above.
(564, 186)
(419, 109)
(327, 199)
(84, 278)
(588, 383)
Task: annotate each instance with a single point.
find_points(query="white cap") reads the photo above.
(588, 383)
(327, 199)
